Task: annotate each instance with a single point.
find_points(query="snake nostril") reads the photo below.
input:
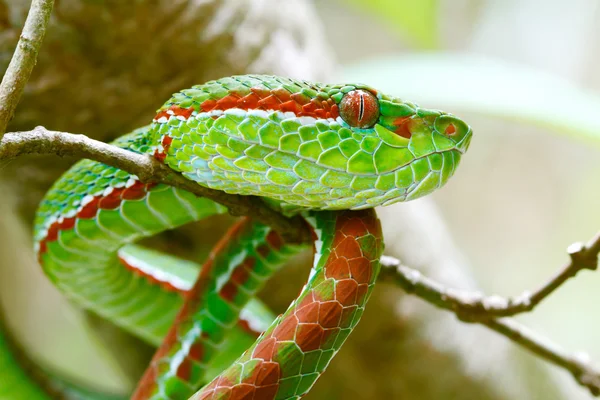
(450, 129)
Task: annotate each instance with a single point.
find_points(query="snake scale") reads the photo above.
(327, 152)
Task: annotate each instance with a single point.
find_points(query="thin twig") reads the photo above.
(579, 364)
(471, 307)
(23, 59)
(147, 169)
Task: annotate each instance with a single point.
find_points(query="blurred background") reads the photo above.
(523, 73)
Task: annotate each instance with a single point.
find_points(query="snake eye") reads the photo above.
(360, 109)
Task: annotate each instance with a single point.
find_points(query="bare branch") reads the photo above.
(579, 365)
(475, 308)
(148, 169)
(23, 59)
(470, 305)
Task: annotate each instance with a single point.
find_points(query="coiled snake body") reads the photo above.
(329, 152)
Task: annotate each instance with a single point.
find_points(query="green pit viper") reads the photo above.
(327, 152)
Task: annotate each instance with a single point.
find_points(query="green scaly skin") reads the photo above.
(288, 141)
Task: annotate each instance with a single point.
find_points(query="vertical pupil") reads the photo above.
(359, 108)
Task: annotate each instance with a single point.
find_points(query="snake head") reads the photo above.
(420, 148)
(307, 145)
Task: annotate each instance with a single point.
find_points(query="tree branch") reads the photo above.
(23, 60)
(578, 364)
(147, 169)
(475, 308)
(470, 306)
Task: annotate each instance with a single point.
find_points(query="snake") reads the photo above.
(329, 153)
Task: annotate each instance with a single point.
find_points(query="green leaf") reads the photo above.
(416, 19)
(487, 86)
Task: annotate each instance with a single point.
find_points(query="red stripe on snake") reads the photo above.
(317, 318)
(262, 99)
